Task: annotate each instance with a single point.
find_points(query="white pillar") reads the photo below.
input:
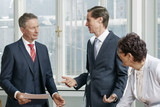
(19, 9)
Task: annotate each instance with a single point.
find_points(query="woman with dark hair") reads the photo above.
(144, 78)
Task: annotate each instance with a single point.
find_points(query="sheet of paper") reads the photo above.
(36, 96)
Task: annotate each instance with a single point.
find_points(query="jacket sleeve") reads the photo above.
(121, 77)
(7, 65)
(81, 80)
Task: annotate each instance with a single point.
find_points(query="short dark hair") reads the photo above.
(25, 17)
(134, 45)
(99, 11)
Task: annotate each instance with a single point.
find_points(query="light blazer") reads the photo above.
(17, 71)
(107, 73)
(150, 87)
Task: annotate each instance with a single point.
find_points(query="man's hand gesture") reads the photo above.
(59, 101)
(70, 82)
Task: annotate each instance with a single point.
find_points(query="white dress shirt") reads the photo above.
(102, 37)
(27, 47)
(150, 85)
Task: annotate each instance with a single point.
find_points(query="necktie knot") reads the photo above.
(31, 45)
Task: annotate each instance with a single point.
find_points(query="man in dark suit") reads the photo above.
(106, 76)
(27, 69)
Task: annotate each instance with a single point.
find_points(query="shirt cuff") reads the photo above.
(15, 94)
(54, 93)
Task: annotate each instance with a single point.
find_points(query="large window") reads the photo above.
(72, 22)
(6, 24)
(77, 34)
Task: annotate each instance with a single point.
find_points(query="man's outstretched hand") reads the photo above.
(70, 82)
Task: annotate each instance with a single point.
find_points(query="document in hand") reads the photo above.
(36, 99)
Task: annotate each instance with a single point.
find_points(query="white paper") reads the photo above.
(36, 96)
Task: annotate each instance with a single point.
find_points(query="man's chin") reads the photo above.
(35, 37)
(90, 31)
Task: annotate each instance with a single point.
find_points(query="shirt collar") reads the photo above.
(26, 42)
(103, 36)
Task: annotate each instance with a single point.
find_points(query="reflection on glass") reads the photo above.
(6, 24)
(46, 11)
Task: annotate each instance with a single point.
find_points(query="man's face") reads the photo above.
(30, 32)
(92, 23)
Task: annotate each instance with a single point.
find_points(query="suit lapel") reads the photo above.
(90, 56)
(26, 55)
(104, 45)
(38, 53)
(39, 56)
(92, 52)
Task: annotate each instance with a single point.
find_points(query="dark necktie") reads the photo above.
(32, 51)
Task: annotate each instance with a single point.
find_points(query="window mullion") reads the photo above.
(19, 9)
(60, 46)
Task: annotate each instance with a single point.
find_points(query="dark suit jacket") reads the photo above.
(107, 74)
(17, 72)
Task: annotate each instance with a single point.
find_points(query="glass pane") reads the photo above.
(46, 11)
(6, 24)
(118, 16)
(158, 28)
(76, 34)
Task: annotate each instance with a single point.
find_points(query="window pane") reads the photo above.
(158, 28)
(6, 24)
(76, 34)
(46, 11)
(118, 16)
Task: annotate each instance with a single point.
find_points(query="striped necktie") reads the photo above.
(32, 51)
